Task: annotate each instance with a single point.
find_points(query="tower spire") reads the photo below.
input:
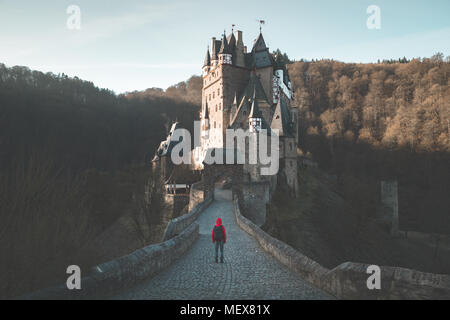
(255, 112)
(207, 62)
(224, 49)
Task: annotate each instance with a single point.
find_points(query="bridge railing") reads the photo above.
(349, 279)
(111, 277)
(177, 225)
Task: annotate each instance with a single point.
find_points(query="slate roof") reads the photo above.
(207, 59)
(231, 41)
(282, 119)
(224, 48)
(259, 44)
(254, 111)
(253, 88)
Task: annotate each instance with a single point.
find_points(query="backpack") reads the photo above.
(218, 233)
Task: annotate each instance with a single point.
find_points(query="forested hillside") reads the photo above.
(73, 157)
(371, 122)
(189, 91)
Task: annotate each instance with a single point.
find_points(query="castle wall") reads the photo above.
(213, 95)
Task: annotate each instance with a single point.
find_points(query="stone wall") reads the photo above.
(294, 260)
(177, 225)
(349, 280)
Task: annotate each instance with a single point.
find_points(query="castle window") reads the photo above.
(290, 146)
(214, 94)
(209, 97)
(214, 124)
(220, 106)
(218, 92)
(216, 107)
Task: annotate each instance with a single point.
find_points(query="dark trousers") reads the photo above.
(219, 246)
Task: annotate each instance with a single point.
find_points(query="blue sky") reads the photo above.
(136, 44)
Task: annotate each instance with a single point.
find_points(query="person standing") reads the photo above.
(219, 238)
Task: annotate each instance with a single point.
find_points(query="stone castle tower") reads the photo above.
(249, 90)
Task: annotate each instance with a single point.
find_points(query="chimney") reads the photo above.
(213, 49)
(239, 38)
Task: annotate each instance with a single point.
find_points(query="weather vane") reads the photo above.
(261, 23)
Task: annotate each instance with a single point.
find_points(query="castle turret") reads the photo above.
(207, 63)
(205, 123)
(255, 116)
(225, 56)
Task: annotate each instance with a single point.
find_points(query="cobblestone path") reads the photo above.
(248, 272)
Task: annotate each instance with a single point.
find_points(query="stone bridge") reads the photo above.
(247, 273)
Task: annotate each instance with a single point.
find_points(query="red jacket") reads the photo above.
(219, 224)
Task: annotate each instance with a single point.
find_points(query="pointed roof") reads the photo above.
(282, 119)
(207, 59)
(231, 41)
(224, 48)
(259, 44)
(255, 84)
(254, 111)
(235, 99)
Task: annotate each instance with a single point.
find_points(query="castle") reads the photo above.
(248, 90)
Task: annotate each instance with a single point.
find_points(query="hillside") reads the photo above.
(73, 160)
(372, 122)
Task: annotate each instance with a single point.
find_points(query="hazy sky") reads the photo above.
(136, 44)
